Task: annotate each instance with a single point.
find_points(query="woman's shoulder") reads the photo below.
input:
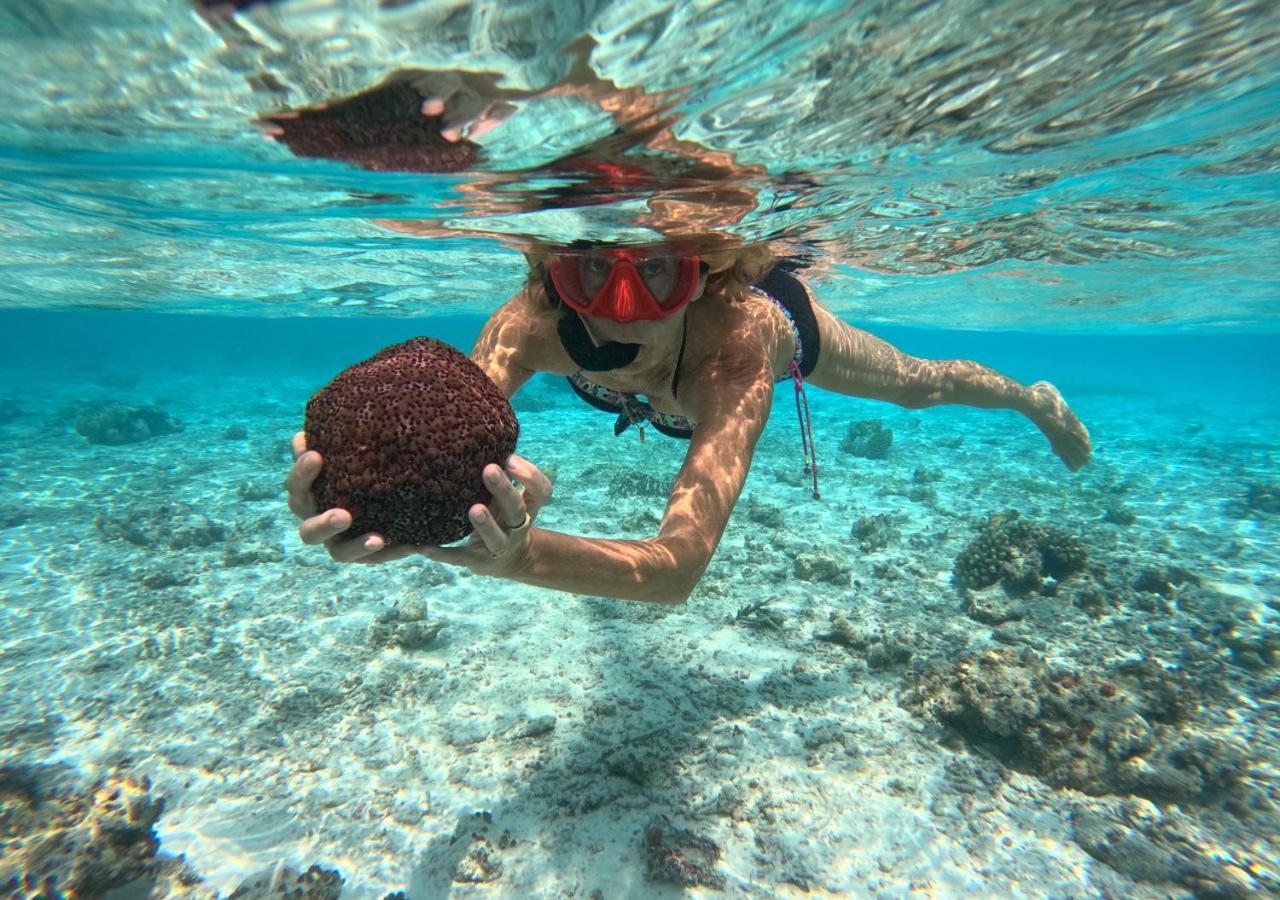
(526, 325)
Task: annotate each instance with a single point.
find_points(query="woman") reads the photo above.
(704, 337)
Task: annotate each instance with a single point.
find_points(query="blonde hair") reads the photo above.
(731, 272)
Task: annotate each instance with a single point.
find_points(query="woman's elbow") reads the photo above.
(676, 575)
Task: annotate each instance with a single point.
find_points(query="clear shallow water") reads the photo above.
(1081, 194)
(1064, 165)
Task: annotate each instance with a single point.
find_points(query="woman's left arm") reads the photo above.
(730, 399)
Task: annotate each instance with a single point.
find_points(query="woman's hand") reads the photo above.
(494, 548)
(497, 545)
(326, 527)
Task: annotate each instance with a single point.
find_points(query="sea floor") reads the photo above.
(870, 730)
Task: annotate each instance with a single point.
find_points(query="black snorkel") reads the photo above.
(578, 344)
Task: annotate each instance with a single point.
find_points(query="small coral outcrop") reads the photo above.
(115, 424)
(404, 436)
(680, 857)
(870, 439)
(873, 533)
(405, 626)
(1019, 555)
(283, 882)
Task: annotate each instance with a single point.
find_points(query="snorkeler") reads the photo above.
(703, 331)
(704, 337)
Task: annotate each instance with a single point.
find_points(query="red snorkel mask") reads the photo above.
(625, 285)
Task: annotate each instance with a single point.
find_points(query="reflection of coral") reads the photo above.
(1125, 735)
(1018, 554)
(382, 129)
(405, 436)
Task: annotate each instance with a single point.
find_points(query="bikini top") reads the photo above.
(632, 410)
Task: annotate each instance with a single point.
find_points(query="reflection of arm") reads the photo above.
(731, 406)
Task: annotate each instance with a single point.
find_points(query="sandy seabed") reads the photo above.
(162, 619)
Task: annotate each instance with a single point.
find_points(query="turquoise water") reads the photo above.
(1081, 194)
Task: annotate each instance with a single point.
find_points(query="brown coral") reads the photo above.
(404, 436)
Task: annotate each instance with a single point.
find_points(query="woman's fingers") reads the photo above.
(365, 548)
(299, 444)
(508, 503)
(324, 527)
(298, 484)
(489, 529)
(537, 487)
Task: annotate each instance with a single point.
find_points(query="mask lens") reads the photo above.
(624, 284)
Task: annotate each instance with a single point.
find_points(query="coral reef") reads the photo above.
(676, 856)
(1166, 847)
(1127, 733)
(1019, 555)
(405, 435)
(60, 840)
(114, 424)
(869, 438)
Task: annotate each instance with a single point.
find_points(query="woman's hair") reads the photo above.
(729, 272)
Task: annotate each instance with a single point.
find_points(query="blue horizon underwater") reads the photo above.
(963, 670)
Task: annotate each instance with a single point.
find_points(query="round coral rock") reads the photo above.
(404, 436)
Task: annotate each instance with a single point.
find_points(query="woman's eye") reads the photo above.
(655, 267)
(597, 264)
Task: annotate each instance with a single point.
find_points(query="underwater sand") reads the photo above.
(241, 675)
